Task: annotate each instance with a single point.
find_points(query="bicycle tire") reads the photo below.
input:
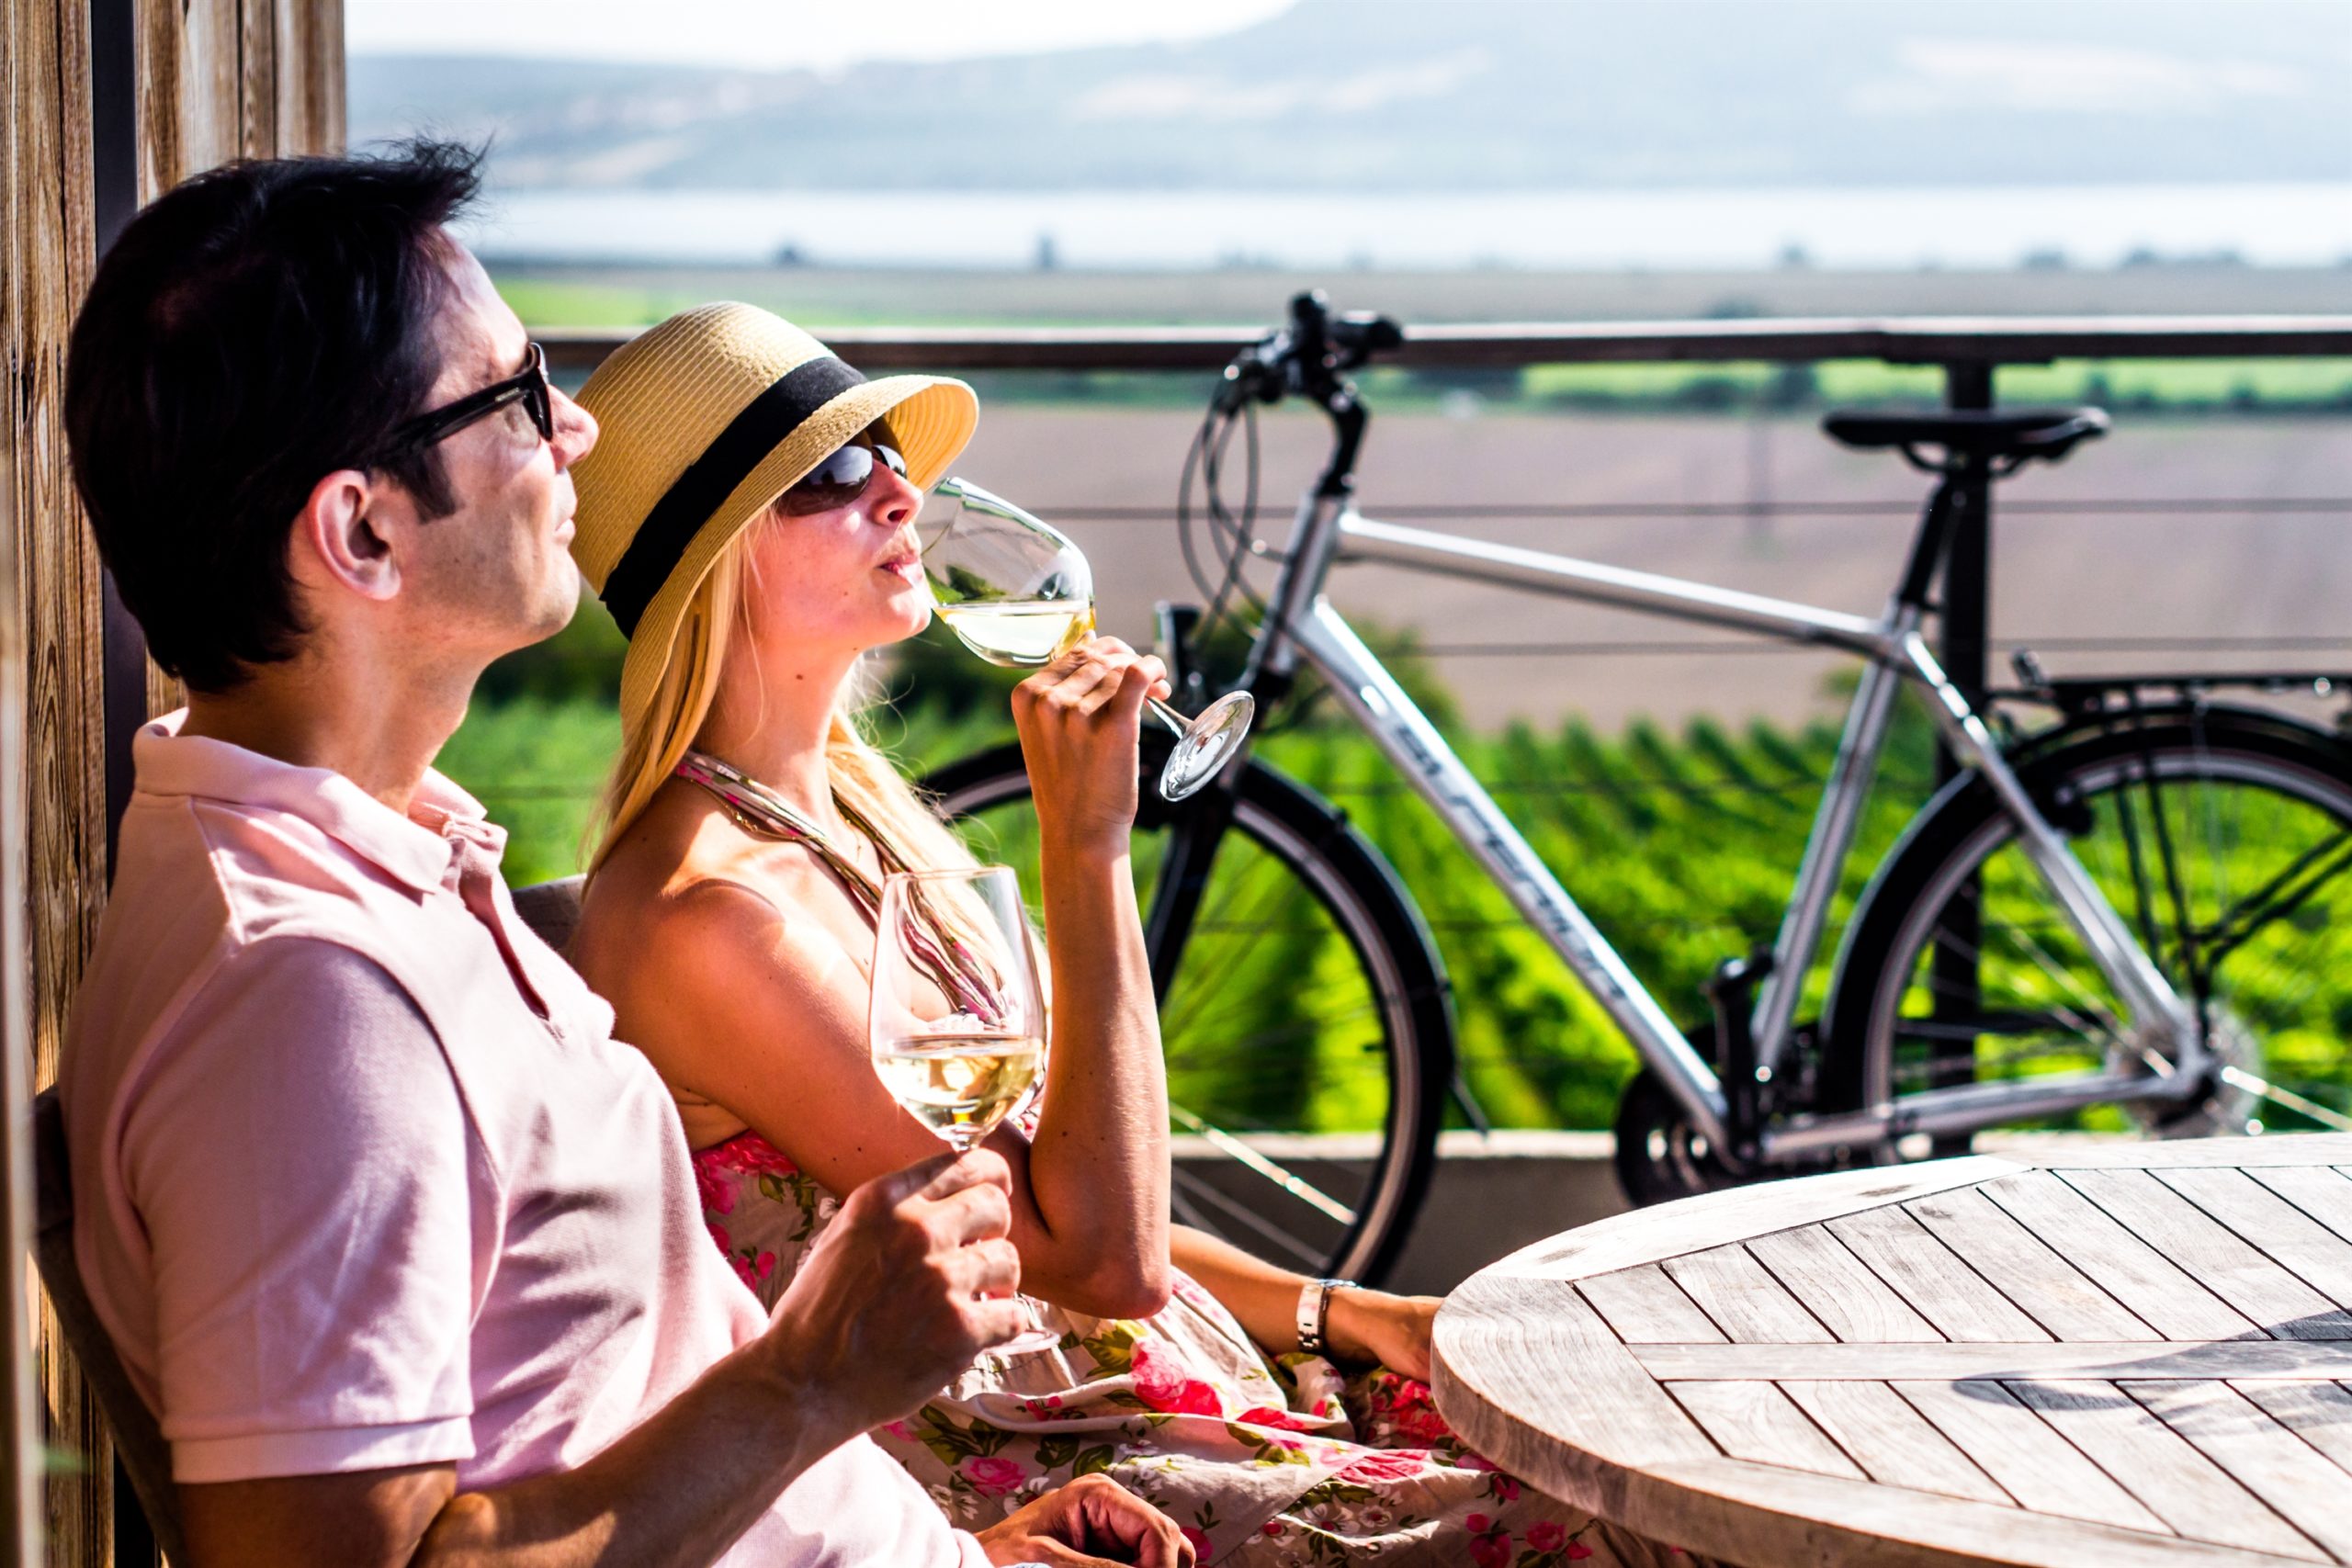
(1295, 847)
(2134, 788)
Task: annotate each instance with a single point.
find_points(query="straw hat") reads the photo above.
(707, 418)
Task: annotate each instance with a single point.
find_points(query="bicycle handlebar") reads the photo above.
(1309, 356)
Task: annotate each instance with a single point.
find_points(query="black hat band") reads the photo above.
(661, 539)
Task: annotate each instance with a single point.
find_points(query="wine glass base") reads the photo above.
(1206, 745)
(1028, 1342)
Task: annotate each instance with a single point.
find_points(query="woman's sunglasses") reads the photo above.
(843, 477)
(527, 387)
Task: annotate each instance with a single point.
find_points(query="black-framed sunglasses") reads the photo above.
(843, 477)
(527, 386)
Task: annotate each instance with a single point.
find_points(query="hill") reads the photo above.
(1358, 94)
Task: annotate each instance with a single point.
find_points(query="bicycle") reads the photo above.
(2089, 915)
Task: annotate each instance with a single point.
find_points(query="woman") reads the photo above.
(747, 515)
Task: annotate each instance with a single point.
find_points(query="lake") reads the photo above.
(2278, 224)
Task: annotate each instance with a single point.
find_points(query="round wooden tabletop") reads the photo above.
(2117, 1355)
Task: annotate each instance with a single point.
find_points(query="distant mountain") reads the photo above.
(1357, 95)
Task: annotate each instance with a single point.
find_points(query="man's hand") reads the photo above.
(1384, 1330)
(913, 1279)
(1092, 1521)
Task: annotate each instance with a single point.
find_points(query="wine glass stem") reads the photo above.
(1171, 717)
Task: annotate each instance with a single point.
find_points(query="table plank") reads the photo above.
(2320, 1413)
(2322, 1191)
(1765, 1515)
(1926, 1273)
(1741, 1295)
(1757, 1421)
(2128, 1269)
(2308, 1359)
(1719, 1219)
(1836, 1287)
(1892, 1442)
(2276, 1299)
(2042, 1283)
(2042, 1470)
(1530, 1373)
(2271, 1224)
(2180, 1485)
(1644, 1307)
(2271, 1149)
(2264, 1457)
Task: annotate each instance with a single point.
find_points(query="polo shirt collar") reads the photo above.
(415, 850)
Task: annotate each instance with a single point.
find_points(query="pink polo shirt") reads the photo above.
(362, 1178)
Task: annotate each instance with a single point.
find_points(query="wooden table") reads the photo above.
(2113, 1355)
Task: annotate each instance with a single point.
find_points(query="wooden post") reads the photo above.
(21, 1500)
(207, 81)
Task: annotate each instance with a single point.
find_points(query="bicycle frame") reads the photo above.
(1301, 624)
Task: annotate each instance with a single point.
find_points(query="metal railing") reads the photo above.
(1952, 341)
(1968, 349)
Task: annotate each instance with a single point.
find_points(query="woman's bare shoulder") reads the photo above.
(685, 885)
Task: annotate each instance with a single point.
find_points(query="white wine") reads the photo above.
(1023, 634)
(959, 1085)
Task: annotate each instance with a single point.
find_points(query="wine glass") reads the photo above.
(956, 1024)
(1016, 592)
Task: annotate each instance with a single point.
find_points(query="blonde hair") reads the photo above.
(862, 777)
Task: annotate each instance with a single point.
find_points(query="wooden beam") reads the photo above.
(51, 243)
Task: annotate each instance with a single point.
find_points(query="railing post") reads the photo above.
(1966, 613)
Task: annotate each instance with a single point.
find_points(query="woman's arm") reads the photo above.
(1370, 1327)
(1099, 1161)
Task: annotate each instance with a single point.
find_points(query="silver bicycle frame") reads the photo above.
(1301, 624)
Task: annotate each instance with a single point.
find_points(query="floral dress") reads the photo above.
(1262, 1465)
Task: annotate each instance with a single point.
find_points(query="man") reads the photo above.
(401, 1245)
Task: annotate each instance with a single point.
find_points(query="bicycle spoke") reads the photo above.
(2225, 935)
(1309, 1256)
(2040, 955)
(2240, 1078)
(2230, 866)
(1234, 1149)
(1177, 1018)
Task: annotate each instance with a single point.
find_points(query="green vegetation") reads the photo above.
(1681, 846)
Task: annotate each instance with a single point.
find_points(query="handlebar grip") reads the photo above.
(1309, 355)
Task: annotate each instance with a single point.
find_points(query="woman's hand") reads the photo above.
(1384, 1330)
(1092, 1521)
(1080, 718)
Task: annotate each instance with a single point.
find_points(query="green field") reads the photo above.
(1681, 845)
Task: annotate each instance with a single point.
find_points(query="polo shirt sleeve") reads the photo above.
(304, 1168)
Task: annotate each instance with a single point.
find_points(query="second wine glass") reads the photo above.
(1015, 590)
(957, 1019)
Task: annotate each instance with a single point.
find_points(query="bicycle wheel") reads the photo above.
(1307, 1033)
(2224, 839)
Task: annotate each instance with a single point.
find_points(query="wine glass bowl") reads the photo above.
(956, 1022)
(1016, 592)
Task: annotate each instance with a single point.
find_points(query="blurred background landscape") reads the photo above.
(1490, 161)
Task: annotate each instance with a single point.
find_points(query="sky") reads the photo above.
(781, 32)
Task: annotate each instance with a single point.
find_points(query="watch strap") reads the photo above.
(1314, 1319)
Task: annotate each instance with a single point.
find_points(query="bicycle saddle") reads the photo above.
(2020, 433)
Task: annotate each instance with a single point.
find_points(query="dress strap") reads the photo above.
(765, 811)
(951, 963)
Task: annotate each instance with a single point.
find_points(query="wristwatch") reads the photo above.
(1315, 1312)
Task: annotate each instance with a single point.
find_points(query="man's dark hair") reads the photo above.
(252, 330)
